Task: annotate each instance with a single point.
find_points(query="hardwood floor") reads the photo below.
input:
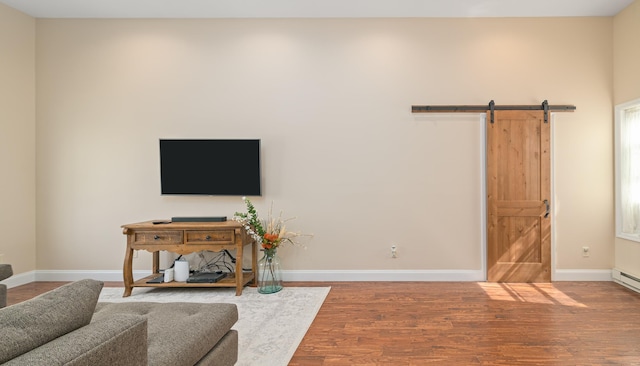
(463, 323)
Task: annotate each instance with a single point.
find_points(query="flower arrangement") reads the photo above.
(270, 233)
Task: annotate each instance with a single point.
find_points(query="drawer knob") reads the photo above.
(208, 237)
(156, 237)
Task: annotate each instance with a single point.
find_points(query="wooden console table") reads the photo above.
(185, 238)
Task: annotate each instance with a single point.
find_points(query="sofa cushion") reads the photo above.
(178, 333)
(34, 322)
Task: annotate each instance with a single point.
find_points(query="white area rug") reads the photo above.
(270, 327)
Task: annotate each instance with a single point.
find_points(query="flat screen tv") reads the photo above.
(210, 167)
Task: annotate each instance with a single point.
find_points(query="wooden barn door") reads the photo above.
(518, 197)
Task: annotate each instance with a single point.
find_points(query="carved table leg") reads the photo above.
(254, 262)
(156, 262)
(239, 274)
(127, 272)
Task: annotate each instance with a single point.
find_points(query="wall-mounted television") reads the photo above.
(210, 167)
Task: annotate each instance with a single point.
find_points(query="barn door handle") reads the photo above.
(546, 204)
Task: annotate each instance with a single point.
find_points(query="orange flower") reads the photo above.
(271, 237)
(267, 245)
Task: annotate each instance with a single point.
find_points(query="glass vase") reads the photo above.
(269, 272)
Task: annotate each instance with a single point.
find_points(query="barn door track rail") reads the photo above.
(492, 107)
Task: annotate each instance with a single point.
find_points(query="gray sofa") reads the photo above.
(67, 326)
(5, 272)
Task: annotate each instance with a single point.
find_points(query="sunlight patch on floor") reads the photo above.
(539, 293)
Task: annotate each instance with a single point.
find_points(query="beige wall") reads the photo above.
(17, 140)
(330, 99)
(626, 75)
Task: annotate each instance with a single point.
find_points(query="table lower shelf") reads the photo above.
(229, 281)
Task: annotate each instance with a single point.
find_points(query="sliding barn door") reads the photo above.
(518, 197)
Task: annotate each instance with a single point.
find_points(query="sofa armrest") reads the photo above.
(114, 341)
(5, 271)
(3, 295)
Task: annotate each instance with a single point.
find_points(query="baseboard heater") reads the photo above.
(626, 280)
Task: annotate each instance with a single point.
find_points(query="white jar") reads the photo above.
(181, 270)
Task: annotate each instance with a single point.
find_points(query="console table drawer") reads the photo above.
(210, 237)
(157, 237)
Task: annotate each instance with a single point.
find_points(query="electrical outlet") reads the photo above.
(394, 251)
(585, 251)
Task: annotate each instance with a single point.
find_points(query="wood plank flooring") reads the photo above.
(462, 323)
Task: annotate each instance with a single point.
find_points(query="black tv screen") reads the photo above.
(210, 167)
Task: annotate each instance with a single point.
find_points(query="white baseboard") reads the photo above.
(385, 275)
(67, 276)
(20, 279)
(76, 275)
(318, 275)
(434, 275)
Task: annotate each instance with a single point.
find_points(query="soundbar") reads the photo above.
(200, 219)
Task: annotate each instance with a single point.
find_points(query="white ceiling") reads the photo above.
(314, 8)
